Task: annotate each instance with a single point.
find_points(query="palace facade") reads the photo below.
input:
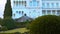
(35, 8)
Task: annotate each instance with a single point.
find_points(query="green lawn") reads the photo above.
(21, 30)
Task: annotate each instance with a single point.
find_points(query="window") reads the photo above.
(16, 11)
(57, 4)
(37, 3)
(22, 3)
(25, 3)
(43, 5)
(14, 15)
(53, 12)
(30, 3)
(16, 3)
(34, 3)
(19, 12)
(58, 12)
(22, 12)
(52, 4)
(47, 4)
(43, 12)
(48, 12)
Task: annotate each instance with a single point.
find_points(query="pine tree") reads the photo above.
(8, 10)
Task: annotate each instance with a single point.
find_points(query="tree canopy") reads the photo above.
(8, 10)
(49, 24)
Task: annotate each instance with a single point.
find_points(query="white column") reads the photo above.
(56, 12)
(46, 12)
(51, 12)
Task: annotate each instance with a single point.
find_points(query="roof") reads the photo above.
(23, 19)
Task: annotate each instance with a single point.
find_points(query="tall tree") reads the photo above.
(8, 10)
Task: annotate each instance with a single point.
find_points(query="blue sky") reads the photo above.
(2, 6)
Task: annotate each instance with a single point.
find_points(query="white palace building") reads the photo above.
(35, 8)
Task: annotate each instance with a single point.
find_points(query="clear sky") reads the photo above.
(2, 6)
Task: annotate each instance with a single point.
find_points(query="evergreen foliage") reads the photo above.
(8, 9)
(9, 23)
(49, 24)
(1, 21)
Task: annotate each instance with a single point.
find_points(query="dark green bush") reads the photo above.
(9, 23)
(19, 25)
(48, 24)
(22, 24)
(4, 28)
(1, 21)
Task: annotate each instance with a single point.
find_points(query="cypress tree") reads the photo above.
(8, 10)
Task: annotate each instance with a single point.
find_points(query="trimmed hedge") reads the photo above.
(48, 24)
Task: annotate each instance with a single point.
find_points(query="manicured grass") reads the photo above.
(21, 30)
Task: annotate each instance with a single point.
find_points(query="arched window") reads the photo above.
(48, 4)
(57, 4)
(25, 14)
(22, 12)
(52, 4)
(16, 11)
(30, 3)
(37, 3)
(43, 5)
(34, 3)
(14, 15)
(19, 12)
(24, 3)
(16, 3)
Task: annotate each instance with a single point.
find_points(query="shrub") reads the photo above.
(49, 24)
(22, 24)
(1, 21)
(9, 23)
(4, 28)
